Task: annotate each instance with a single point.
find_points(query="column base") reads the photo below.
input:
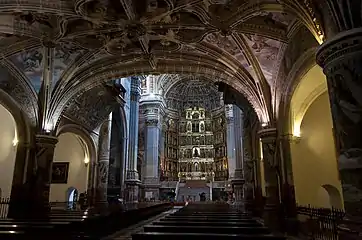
(271, 216)
(151, 188)
(132, 191)
(152, 193)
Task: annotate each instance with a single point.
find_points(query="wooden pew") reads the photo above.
(206, 221)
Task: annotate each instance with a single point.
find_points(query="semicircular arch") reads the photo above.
(312, 85)
(87, 142)
(22, 140)
(213, 70)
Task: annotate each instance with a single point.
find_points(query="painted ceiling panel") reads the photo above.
(64, 55)
(266, 51)
(31, 64)
(228, 45)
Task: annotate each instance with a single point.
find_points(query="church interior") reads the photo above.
(159, 119)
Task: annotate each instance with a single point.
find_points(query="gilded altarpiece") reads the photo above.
(220, 159)
(169, 163)
(195, 147)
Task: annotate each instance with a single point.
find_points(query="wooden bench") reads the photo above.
(182, 236)
(210, 224)
(60, 225)
(207, 229)
(208, 221)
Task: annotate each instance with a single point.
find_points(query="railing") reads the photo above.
(320, 223)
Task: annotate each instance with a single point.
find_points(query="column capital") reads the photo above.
(268, 134)
(290, 138)
(155, 106)
(342, 44)
(152, 122)
(229, 119)
(46, 140)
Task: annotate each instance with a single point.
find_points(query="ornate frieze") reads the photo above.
(152, 122)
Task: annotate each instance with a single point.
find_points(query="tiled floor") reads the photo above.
(126, 234)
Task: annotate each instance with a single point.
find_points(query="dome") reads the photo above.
(193, 92)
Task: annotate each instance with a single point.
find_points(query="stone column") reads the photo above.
(238, 180)
(104, 145)
(151, 178)
(248, 164)
(287, 192)
(341, 58)
(40, 183)
(269, 147)
(230, 141)
(132, 177)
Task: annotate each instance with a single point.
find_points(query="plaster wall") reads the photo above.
(70, 149)
(7, 150)
(314, 159)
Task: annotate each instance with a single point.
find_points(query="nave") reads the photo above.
(163, 221)
(90, 224)
(207, 221)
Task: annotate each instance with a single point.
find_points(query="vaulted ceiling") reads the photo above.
(242, 43)
(193, 92)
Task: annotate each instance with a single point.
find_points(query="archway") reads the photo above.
(8, 149)
(71, 197)
(334, 196)
(71, 155)
(312, 149)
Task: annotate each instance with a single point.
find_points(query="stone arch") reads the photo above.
(299, 70)
(312, 85)
(88, 142)
(335, 197)
(82, 162)
(22, 141)
(16, 85)
(174, 65)
(312, 148)
(71, 195)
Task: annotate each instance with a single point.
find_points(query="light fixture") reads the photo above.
(15, 140)
(86, 160)
(264, 124)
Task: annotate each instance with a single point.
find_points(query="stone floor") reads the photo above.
(126, 234)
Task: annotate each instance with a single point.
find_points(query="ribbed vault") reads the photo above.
(193, 92)
(239, 42)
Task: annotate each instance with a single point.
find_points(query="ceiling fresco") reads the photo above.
(237, 41)
(31, 64)
(266, 51)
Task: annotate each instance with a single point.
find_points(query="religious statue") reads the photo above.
(196, 167)
(202, 127)
(189, 126)
(196, 153)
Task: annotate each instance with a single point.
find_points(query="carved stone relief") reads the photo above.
(91, 107)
